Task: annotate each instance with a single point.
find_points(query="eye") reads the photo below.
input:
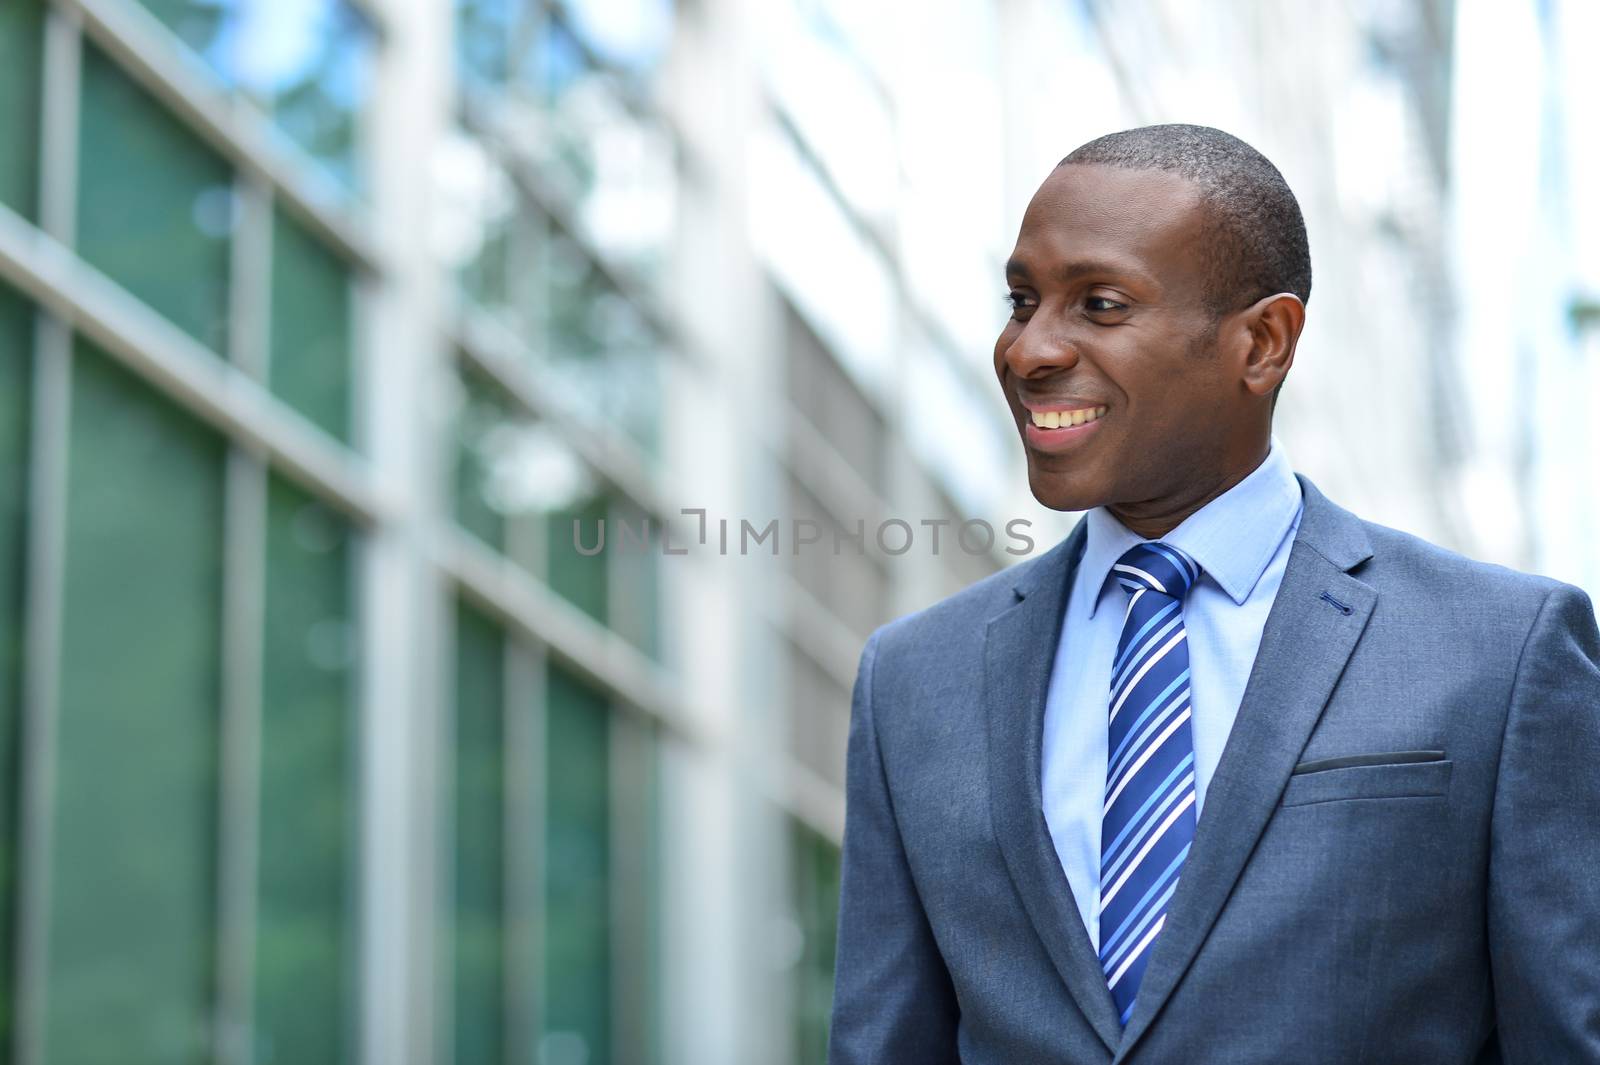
(1019, 302)
(1102, 304)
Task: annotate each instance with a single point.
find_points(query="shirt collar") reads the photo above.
(1233, 537)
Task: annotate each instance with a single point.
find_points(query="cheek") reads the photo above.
(1186, 406)
(1002, 344)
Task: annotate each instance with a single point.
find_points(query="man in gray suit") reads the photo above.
(1229, 775)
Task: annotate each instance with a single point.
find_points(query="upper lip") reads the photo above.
(1064, 403)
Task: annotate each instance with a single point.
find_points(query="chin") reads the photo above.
(1072, 491)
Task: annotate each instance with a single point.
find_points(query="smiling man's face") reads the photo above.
(1111, 328)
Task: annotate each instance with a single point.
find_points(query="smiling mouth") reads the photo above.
(1066, 419)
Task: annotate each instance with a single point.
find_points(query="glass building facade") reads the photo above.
(332, 334)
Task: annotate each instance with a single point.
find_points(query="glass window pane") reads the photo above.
(16, 360)
(635, 573)
(833, 402)
(303, 967)
(817, 726)
(311, 328)
(578, 577)
(815, 870)
(479, 1014)
(614, 165)
(21, 61)
(318, 88)
(483, 429)
(603, 356)
(133, 870)
(483, 231)
(637, 889)
(155, 205)
(309, 63)
(483, 38)
(577, 926)
(198, 23)
(511, 471)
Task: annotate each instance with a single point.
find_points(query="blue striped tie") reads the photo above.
(1149, 814)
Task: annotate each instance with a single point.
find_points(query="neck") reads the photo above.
(1153, 519)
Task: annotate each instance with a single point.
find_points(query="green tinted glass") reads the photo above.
(577, 926)
(636, 880)
(577, 559)
(482, 427)
(155, 205)
(603, 355)
(16, 360)
(130, 970)
(586, 111)
(311, 328)
(479, 806)
(303, 1005)
(489, 259)
(815, 869)
(21, 56)
(309, 63)
(635, 569)
(199, 23)
(320, 94)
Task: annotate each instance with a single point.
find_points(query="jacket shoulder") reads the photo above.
(962, 615)
(1405, 561)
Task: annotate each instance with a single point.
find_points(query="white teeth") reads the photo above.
(1057, 419)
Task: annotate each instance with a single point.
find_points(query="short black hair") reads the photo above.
(1254, 237)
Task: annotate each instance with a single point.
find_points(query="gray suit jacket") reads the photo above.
(1430, 896)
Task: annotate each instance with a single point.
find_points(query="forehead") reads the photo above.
(1146, 220)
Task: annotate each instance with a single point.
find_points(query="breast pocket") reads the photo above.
(1384, 780)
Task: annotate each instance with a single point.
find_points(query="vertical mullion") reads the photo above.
(58, 134)
(46, 534)
(46, 541)
(406, 602)
(244, 618)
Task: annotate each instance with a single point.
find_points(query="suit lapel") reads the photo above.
(1304, 647)
(1019, 651)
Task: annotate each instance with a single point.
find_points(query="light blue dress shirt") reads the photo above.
(1241, 541)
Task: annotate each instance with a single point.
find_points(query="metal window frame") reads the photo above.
(165, 357)
(489, 348)
(46, 547)
(240, 130)
(485, 117)
(240, 750)
(71, 298)
(244, 619)
(598, 655)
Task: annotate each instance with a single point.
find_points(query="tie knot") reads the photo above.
(1156, 567)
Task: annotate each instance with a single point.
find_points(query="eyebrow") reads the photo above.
(1071, 272)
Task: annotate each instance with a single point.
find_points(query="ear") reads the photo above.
(1273, 324)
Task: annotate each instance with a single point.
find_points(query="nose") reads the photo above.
(1038, 349)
